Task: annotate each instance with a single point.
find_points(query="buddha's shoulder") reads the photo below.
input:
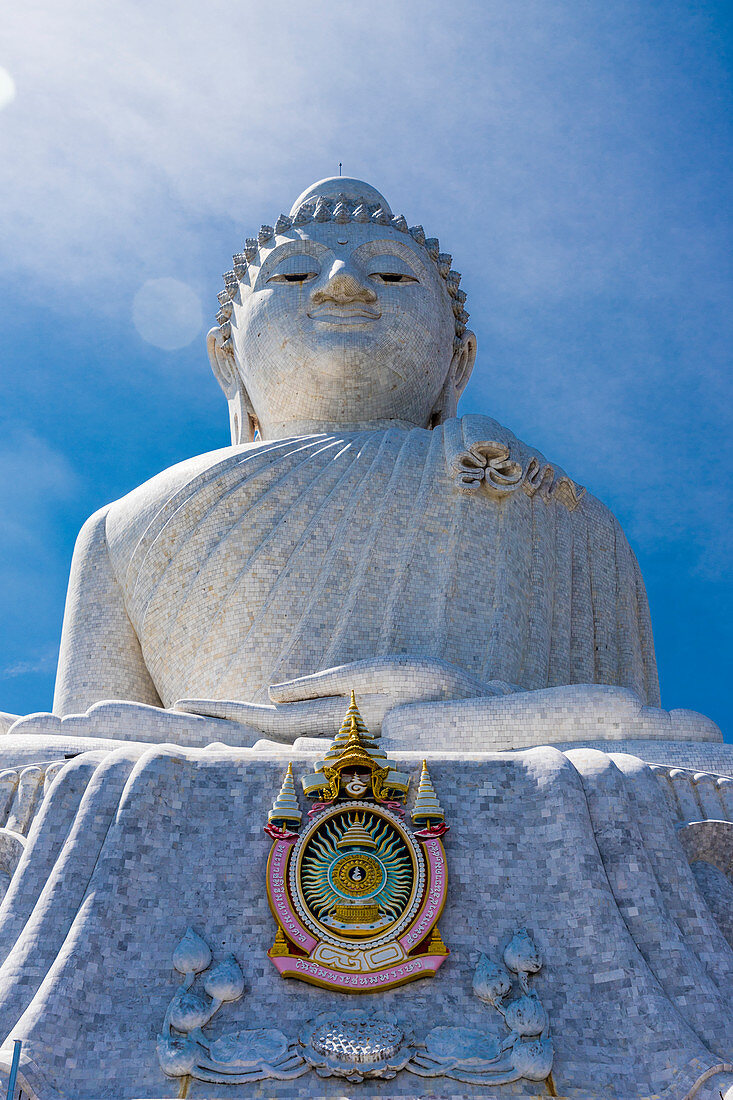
(126, 520)
(509, 463)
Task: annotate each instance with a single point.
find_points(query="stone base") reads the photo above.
(129, 850)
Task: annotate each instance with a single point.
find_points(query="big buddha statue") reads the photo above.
(356, 533)
(483, 608)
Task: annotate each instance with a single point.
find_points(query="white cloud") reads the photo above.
(30, 469)
(138, 123)
(34, 479)
(44, 661)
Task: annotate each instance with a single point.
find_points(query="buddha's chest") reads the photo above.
(269, 591)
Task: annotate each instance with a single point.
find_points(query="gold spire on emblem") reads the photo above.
(436, 945)
(280, 946)
(365, 767)
(427, 809)
(285, 808)
(353, 734)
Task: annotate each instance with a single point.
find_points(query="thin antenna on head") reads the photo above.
(340, 167)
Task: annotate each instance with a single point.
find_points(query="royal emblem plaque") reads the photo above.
(357, 892)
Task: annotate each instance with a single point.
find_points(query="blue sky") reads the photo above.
(575, 158)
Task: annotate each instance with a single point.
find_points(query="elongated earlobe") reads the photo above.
(464, 357)
(243, 422)
(459, 372)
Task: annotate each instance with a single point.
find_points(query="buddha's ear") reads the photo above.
(242, 419)
(464, 358)
(459, 372)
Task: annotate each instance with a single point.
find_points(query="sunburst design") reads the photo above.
(390, 852)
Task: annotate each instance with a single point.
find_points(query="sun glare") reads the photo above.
(167, 313)
(7, 88)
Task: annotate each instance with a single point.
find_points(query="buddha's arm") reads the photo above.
(100, 654)
(312, 704)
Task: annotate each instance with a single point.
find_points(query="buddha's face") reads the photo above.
(343, 324)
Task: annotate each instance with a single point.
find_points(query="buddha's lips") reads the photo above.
(344, 315)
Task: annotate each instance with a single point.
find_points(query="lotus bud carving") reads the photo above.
(491, 982)
(356, 1044)
(177, 1056)
(192, 954)
(522, 955)
(533, 1059)
(226, 981)
(526, 1015)
(238, 1057)
(188, 1011)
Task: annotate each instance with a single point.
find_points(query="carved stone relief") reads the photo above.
(358, 1044)
(236, 1057)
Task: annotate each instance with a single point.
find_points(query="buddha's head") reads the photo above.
(340, 316)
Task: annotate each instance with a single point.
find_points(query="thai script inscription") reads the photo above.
(435, 896)
(381, 977)
(280, 898)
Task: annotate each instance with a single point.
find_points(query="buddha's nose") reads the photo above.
(344, 286)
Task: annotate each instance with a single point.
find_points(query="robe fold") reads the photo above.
(264, 562)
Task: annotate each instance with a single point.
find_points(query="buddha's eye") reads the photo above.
(292, 277)
(298, 268)
(390, 270)
(392, 277)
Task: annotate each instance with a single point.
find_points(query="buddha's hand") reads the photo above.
(314, 706)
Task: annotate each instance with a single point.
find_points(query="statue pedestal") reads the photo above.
(127, 851)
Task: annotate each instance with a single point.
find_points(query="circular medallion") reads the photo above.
(356, 874)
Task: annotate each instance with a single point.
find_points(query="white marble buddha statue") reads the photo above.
(355, 533)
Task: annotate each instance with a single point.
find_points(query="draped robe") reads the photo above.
(264, 562)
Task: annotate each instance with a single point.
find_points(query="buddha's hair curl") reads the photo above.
(341, 210)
